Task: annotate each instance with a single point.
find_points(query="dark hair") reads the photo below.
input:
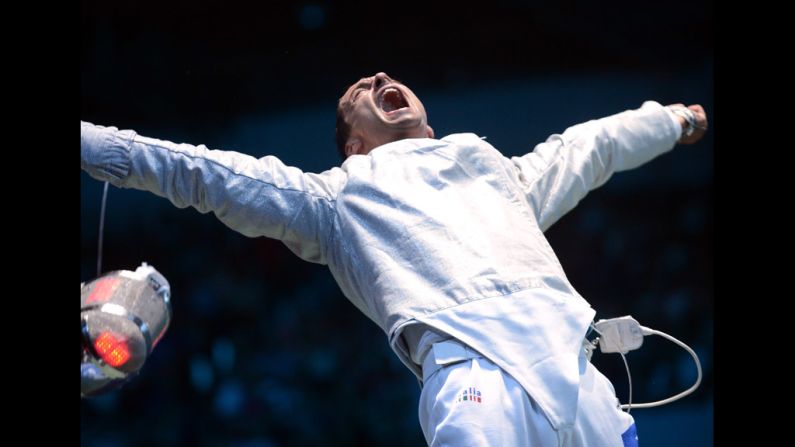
(343, 131)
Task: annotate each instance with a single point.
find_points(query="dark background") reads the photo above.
(263, 349)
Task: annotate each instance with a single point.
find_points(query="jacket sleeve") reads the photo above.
(563, 169)
(256, 197)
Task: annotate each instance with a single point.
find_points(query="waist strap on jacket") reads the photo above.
(446, 353)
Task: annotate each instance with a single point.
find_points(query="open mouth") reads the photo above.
(392, 99)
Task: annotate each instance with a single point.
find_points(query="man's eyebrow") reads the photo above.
(363, 81)
(357, 86)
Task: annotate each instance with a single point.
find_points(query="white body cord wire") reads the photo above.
(648, 331)
(101, 227)
(645, 332)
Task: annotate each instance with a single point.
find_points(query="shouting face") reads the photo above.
(380, 110)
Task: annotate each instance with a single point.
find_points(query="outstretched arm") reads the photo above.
(563, 169)
(256, 197)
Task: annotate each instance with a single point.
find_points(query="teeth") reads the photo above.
(396, 101)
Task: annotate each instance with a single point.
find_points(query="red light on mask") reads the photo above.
(114, 351)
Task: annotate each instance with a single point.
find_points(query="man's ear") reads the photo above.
(429, 131)
(353, 146)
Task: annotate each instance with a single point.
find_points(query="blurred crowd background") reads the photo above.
(263, 349)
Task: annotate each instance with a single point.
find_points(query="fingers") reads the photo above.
(700, 127)
(701, 116)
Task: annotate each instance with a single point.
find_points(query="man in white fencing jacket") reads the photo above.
(438, 241)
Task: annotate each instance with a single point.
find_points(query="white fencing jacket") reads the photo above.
(445, 232)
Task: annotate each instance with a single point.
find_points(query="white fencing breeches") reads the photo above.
(469, 401)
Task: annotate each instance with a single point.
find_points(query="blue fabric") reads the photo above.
(630, 437)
